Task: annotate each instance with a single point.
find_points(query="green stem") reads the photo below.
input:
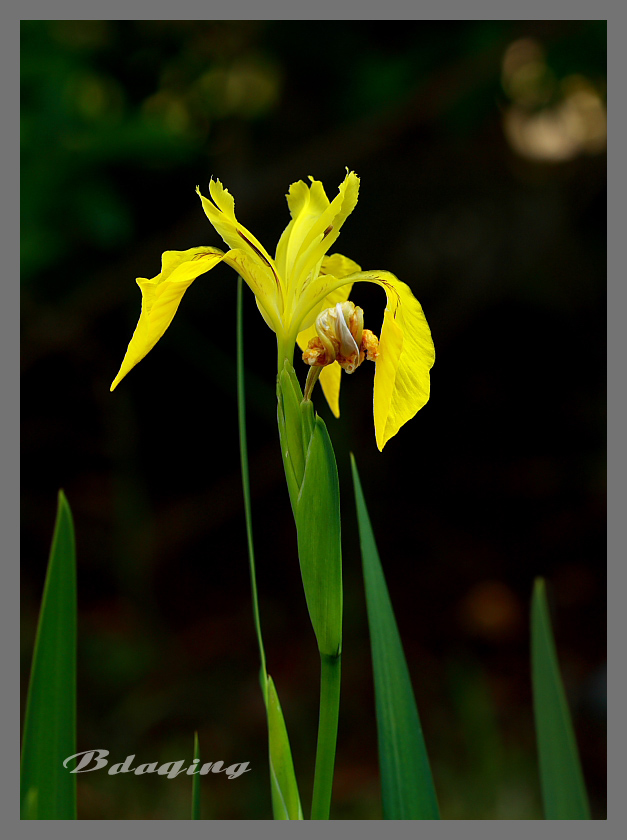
(243, 448)
(330, 669)
(285, 351)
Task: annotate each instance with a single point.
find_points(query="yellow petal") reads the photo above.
(332, 269)
(330, 379)
(406, 355)
(338, 265)
(325, 230)
(306, 206)
(161, 297)
(222, 217)
(263, 284)
(315, 226)
(247, 255)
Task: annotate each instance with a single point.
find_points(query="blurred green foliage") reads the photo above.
(105, 103)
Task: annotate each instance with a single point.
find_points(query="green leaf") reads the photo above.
(407, 786)
(196, 783)
(284, 788)
(48, 789)
(285, 799)
(319, 540)
(286, 416)
(563, 788)
(289, 401)
(311, 474)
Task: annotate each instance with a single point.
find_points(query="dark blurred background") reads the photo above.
(481, 148)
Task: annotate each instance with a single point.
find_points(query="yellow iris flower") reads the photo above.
(293, 289)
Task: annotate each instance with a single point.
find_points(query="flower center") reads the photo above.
(341, 338)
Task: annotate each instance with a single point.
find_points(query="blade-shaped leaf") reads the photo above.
(284, 788)
(407, 787)
(314, 494)
(48, 788)
(563, 788)
(291, 398)
(196, 783)
(285, 799)
(319, 540)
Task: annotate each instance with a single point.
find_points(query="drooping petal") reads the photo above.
(406, 355)
(161, 297)
(406, 352)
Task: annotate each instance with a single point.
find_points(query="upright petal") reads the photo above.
(221, 214)
(315, 226)
(333, 269)
(161, 297)
(306, 206)
(338, 265)
(246, 249)
(262, 282)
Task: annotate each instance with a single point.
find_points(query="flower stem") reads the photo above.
(241, 413)
(285, 352)
(312, 378)
(330, 669)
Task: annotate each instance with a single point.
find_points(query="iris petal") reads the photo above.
(330, 380)
(222, 217)
(161, 297)
(314, 227)
(306, 206)
(262, 282)
(325, 230)
(406, 355)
